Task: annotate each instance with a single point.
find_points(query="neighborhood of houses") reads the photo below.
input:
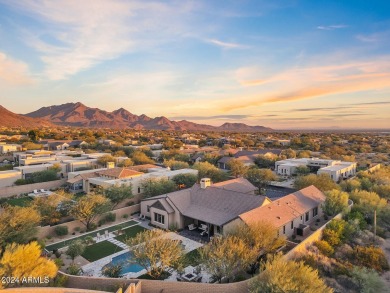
(194, 215)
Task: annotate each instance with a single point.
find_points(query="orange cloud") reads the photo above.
(309, 83)
(13, 72)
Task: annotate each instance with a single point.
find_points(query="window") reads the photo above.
(307, 217)
(284, 229)
(315, 212)
(159, 218)
(139, 189)
(148, 209)
(292, 224)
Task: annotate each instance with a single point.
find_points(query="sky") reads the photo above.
(282, 64)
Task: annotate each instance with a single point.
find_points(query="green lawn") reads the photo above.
(192, 258)
(99, 250)
(65, 243)
(129, 233)
(21, 202)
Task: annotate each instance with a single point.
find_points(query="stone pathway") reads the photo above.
(117, 243)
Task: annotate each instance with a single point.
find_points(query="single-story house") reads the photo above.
(214, 206)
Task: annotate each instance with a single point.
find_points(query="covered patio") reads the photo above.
(199, 230)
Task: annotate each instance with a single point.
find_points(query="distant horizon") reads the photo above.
(329, 128)
(280, 64)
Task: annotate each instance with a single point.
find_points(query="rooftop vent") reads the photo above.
(205, 182)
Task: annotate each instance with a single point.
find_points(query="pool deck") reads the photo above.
(94, 268)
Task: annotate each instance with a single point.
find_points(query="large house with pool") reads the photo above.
(214, 209)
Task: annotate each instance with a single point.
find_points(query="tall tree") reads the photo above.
(153, 186)
(26, 261)
(226, 256)
(237, 168)
(89, 207)
(322, 181)
(185, 179)
(260, 177)
(336, 201)
(153, 250)
(18, 224)
(117, 194)
(281, 275)
(207, 170)
(261, 238)
(75, 249)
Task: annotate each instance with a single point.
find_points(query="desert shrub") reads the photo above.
(110, 217)
(367, 281)
(74, 270)
(371, 257)
(112, 271)
(59, 262)
(324, 247)
(61, 230)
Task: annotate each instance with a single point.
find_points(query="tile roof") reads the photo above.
(163, 205)
(214, 205)
(143, 167)
(287, 208)
(119, 173)
(237, 184)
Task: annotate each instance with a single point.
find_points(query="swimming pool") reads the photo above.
(127, 266)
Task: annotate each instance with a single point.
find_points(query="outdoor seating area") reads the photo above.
(190, 274)
(40, 193)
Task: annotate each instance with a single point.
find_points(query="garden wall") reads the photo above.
(149, 286)
(28, 188)
(50, 230)
(302, 246)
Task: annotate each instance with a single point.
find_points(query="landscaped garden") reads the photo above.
(21, 201)
(99, 250)
(129, 232)
(66, 242)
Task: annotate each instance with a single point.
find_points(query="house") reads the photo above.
(77, 144)
(336, 169)
(214, 206)
(291, 214)
(198, 157)
(103, 178)
(8, 148)
(247, 157)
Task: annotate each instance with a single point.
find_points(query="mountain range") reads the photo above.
(79, 115)
(10, 119)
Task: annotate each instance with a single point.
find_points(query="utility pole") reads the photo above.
(374, 225)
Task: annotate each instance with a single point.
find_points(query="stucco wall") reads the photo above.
(149, 286)
(302, 247)
(50, 230)
(17, 190)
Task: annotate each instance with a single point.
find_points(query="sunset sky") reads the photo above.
(281, 64)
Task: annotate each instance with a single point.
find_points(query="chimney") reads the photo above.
(205, 182)
(110, 165)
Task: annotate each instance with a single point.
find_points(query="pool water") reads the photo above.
(127, 266)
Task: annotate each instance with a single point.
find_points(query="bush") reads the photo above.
(74, 270)
(59, 262)
(324, 247)
(77, 229)
(112, 271)
(367, 280)
(125, 216)
(101, 222)
(59, 281)
(110, 217)
(371, 257)
(61, 230)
